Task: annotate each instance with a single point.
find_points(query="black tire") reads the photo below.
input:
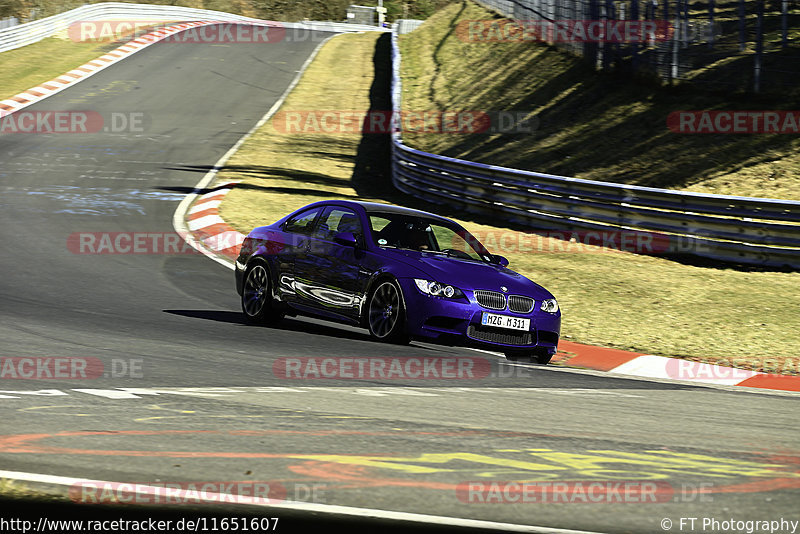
(386, 315)
(541, 357)
(256, 297)
(524, 357)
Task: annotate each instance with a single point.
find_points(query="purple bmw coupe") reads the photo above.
(401, 273)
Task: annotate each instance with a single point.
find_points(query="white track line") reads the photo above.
(349, 511)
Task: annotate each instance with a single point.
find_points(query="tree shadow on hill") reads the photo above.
(267, 172)
(372, 174)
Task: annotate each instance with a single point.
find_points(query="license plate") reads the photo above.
(505, 321)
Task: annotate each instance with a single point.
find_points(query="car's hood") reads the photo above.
(469, 275)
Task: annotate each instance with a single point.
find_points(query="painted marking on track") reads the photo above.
(112, 394)
(231, 392)
(591, 465)
(49, 409)
(771, 473)
(13, 394)
(204, 416)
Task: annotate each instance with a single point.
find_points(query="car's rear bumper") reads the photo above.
(459, 321)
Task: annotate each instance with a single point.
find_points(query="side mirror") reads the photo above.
(346, 239)
(502, 261)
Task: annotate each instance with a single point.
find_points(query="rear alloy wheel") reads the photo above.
(256, 298)
(385, 314)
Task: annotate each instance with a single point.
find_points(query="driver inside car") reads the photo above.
(407, 235)
(417, 239)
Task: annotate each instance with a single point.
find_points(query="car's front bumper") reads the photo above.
(459, 321)
(238, 273)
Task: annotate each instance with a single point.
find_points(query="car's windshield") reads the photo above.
(395, 230)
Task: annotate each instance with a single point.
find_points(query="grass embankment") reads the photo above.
(29, 66)
(618, 299)
(15, 490)
(25, 9)
(600, 126)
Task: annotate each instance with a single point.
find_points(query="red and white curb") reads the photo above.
(636, 364)
(207, 227)
(31, 96)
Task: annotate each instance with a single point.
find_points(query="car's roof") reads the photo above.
(376, 207)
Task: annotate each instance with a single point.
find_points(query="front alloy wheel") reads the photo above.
(386, 316)
(256, 299)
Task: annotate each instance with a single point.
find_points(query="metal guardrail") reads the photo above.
(749, 230)
(408, 25)
(31, 32)
(8, 22)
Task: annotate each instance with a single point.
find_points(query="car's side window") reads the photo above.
(378, 223)
(302, 222)
(337, 220)
(446, 238)
(402, 232)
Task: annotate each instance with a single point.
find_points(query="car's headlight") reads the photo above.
(549, 305)
(436, 289)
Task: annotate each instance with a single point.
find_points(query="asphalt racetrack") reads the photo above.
(187, 392)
